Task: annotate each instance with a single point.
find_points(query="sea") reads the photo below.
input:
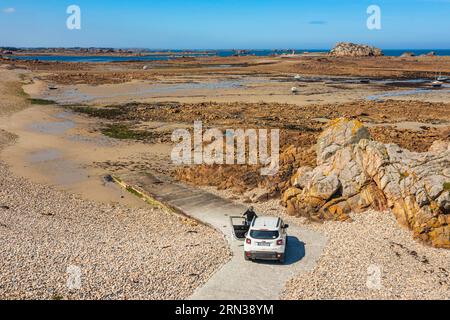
(174, 54)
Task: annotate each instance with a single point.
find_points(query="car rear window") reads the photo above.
(264, 234)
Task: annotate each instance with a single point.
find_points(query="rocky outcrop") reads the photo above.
(355, 173)
(407, 55)
(347, 49)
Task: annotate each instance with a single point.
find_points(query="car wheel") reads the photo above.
(281, 260)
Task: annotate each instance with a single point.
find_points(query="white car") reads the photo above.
(266, 239)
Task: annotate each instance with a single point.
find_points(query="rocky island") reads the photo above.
(348, 49)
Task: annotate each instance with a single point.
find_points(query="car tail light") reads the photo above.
(248, 241)
(280, 242)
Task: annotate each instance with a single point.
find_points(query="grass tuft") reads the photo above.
(41, 101)
(122, 131)
(105, 113)
(134, 192)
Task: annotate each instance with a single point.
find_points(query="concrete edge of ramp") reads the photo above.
(153, 201)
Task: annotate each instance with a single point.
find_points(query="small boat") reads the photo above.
(437, 84)
(298, 77)
(365, 81)
(441, 77)
(294, 90)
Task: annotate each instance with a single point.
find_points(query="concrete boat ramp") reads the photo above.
(238, 279)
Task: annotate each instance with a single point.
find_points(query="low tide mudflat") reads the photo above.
(116, 118)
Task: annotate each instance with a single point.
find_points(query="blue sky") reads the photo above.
(219, 24)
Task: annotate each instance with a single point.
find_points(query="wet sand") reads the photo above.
(60, 149)
(245, 89)
(323, 79)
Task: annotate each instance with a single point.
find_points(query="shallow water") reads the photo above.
(172, 54)
(54, 128)
(73, 95)
(51, 163)
(44, 155)
(390, 94)
(90, 59)
(219, 53)
(357, 80)
(101, 141)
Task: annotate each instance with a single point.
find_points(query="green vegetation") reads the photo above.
(41, 101)
(446, 186)
(147, 199)
(123, 131)
(105, 113)
(117, 179)
(17, 87)
(133, 191)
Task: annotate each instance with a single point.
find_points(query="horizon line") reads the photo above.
(197, 49)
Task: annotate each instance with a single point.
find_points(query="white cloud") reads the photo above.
(9, 10)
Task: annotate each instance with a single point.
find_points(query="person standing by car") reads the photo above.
(250, 215)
